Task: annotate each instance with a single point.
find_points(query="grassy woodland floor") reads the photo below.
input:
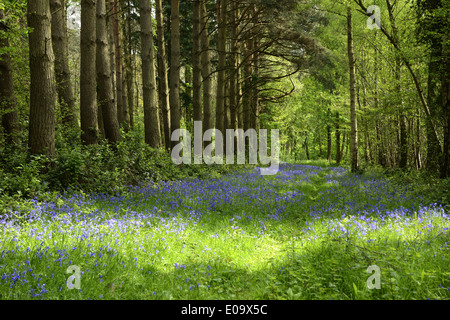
(308, 232)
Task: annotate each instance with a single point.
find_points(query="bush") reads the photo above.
(102, 168)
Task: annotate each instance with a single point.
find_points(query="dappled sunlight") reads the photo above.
(187, 238)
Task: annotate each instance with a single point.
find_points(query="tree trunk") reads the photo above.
(196, 64)
(445, 91)
(174, 95)
(88, 84)
(128, 62)
(338, 139)
(433, 147)
(233, 97)
(104, 79)
(403, 148)
(255, 91)
(307, 148)
(319, 141)
(41, 139)
(8, 107)
(112, 51)
(353, 121)
(206, 70)
(329, 138)
(122, 110)
(151, 113)
(221, 41)
(344, 144)
(162, 72)
(186, 112)
(246, 99)
(64, 89)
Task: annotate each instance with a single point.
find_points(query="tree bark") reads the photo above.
(162, 72)
(196, 64)
(104, 79)
(403, 148)
(88, 84)
(221, 42)
(445, 91)
(206, 69)
(128, 61)
(329, 137)
(433, 149)
(64, 89)
(151, 113)
(8, 106)
(353, 120)
(246, 99)
(41, 139)
(338, 139)
(121, 99)
(174, 94)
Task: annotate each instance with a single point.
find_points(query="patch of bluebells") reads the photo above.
(97, 224)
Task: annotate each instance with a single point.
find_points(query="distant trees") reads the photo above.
(369, 96)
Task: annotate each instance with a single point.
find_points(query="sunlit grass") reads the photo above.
(307, 233)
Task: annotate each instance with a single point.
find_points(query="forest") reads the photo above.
(98, 96)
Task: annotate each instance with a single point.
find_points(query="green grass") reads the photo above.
(309, 232)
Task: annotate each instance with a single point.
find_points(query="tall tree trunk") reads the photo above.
(307, 148)
(329, 137)
(403, 140)
(196, 64)
(104, 80)
(418, 143)
(445, 91)
(221, 41)
(353, 120)
(246, 99)
(88, 84)
(122, 110)
(8, 107)
(233, 68)
(112, 52)
(255, 91)
(151, 113)
(206, 69)
(64, 89)
(319, 141)
(344, 144)
(338, 139)
(186, 112)
(162, 72)
(128, 61)
(174, 95)
(41, 139)
(433, 148)
(238, 76)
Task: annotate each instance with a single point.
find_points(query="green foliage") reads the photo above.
(102, 168)
(22, 177)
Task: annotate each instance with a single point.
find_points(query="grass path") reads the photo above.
(306, 233)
